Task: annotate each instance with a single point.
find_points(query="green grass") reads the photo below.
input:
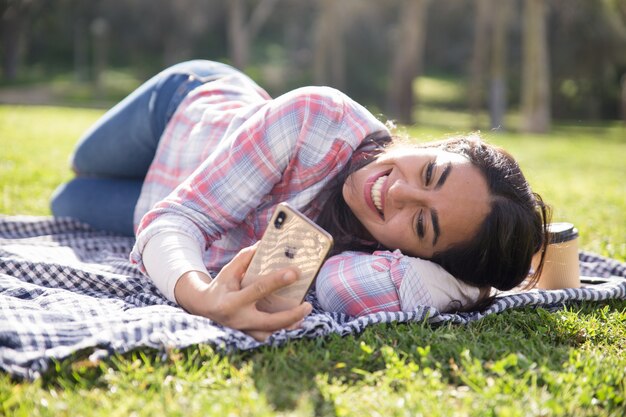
(35, 145)
(527, 362)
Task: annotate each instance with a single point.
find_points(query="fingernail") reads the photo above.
(289, 276)
(308, 309)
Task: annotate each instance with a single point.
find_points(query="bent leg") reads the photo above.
(123, 142)
(113, 157)
(105, 204)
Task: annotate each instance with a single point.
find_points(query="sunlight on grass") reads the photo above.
(36, 143)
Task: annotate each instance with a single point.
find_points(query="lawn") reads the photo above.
(529, 362)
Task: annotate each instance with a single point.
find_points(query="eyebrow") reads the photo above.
(444, 175)
(436, 231)
(433, 213)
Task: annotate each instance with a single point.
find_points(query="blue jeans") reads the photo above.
(112, 158)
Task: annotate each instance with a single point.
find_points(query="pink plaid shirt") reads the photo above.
(231, 153)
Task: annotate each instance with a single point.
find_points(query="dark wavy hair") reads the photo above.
(501, 252)
(515, 229)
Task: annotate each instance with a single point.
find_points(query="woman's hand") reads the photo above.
(224, 301)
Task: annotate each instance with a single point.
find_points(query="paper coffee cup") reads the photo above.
(560, 268)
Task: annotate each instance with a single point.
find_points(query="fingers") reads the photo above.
(267, 284)
(239, 264)
(233, 272)
(258, 335)
(229, 304)
(288, 319)
(261, 336)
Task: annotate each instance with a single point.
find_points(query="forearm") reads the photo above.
(191, 292)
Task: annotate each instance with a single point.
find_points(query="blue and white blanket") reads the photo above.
(65, 287)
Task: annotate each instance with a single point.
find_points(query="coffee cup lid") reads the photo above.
(562, 232)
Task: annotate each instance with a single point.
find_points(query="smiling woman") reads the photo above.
(194, 162)
(461, 203)
(418, 200)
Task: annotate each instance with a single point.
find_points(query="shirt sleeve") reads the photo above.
(357, 283)
(298, 132)
(168, 256)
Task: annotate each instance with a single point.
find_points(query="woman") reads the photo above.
(200, 155)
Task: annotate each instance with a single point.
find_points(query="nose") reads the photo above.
(401, 194)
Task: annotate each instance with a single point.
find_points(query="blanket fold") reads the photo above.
(65, 287)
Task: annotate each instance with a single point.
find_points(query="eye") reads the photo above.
(429, 173)
(419, 224)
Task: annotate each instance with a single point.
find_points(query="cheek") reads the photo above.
(352, 193)
(395, 237)
(346, 192)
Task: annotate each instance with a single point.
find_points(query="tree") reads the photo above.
(329, 63)
(14, 15)
(242, 31)
(497, 87)
(615, 14)
(407, 60)
(535, 69)
(623, 98)
(480, 52)
(80, 17)
(99, 29)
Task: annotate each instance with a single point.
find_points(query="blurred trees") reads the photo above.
(329, 56)
(14, 18)
(407, 59)
(535, 69)
(242, 29)
(478, 65)
(487, 79)
(572, 66)
(499, 47)
(589, 59)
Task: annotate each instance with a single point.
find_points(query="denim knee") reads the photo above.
(103, 204)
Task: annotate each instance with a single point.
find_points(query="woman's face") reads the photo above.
(418, 200)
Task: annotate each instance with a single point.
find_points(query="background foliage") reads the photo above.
(351, 44)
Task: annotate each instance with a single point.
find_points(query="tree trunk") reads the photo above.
(478, 68)
(237, 34)
(100, 32)
(535, 69)
(241, 33)
(497, 88)
(623, 101)
(407, 62)
(330, 58)
(81, 49)
(11, 34)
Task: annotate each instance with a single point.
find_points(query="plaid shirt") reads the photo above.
(231, 153)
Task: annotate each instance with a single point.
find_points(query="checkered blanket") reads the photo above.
(65, 287)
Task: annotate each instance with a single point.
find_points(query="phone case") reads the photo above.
(291, 239)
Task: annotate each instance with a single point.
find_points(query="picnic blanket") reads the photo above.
(65, 287)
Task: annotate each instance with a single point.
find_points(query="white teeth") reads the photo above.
(376, 192)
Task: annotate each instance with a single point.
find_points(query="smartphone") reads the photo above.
(290, 240)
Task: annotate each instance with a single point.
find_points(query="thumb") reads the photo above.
(239, 264)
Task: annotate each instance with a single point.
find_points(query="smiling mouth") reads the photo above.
(376, 193)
